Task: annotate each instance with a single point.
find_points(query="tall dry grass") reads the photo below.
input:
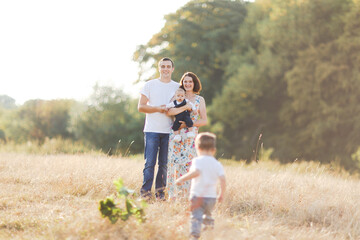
(56, 197)
(48, 146)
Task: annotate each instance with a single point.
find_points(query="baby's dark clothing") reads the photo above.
(183, 116)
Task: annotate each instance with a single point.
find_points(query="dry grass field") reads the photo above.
(57, 196)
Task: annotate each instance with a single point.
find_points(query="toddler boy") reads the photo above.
(204, 173)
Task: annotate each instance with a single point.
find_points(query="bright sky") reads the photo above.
(60, 49)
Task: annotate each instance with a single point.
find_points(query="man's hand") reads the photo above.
(162, 109)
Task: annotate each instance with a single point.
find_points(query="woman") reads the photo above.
(181, 153)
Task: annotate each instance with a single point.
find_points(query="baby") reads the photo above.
(183, 116)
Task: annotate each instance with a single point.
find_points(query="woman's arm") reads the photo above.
(175, 111)
(202, 121)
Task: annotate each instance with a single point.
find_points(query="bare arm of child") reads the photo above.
(222, 188)
(190, 175)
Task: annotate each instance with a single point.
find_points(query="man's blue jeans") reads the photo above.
(156, 144)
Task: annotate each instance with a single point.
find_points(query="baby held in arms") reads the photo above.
(183, 116)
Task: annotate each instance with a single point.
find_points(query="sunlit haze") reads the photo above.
(61, 49)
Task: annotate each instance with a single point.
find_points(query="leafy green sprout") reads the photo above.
(110, 208)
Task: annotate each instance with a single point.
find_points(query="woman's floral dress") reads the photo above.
(180, 156)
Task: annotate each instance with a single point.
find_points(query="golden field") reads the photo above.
(57, 197)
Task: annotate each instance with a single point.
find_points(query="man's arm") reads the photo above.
(187, 176)
(222, 188)
(145, 108)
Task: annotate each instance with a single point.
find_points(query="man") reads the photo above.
(154, 96)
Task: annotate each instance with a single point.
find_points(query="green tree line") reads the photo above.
(284, 75)
(107, 121)
(286, 72)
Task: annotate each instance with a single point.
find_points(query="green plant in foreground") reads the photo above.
(109, 208)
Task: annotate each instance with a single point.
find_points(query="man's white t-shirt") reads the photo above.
(210, 170)
(158, 93)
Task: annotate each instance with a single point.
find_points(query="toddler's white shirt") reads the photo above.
(210, 170)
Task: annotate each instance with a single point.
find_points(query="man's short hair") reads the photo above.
(206, 141)
(167, 59)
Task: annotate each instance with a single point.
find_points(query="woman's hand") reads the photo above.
(183, 125)
(188, 107)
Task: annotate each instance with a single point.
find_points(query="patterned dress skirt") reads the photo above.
(180, 156)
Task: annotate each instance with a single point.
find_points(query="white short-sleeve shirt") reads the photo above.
(158, 93)
(210, 170)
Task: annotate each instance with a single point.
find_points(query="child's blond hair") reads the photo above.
(205, 141)
(180, 89)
